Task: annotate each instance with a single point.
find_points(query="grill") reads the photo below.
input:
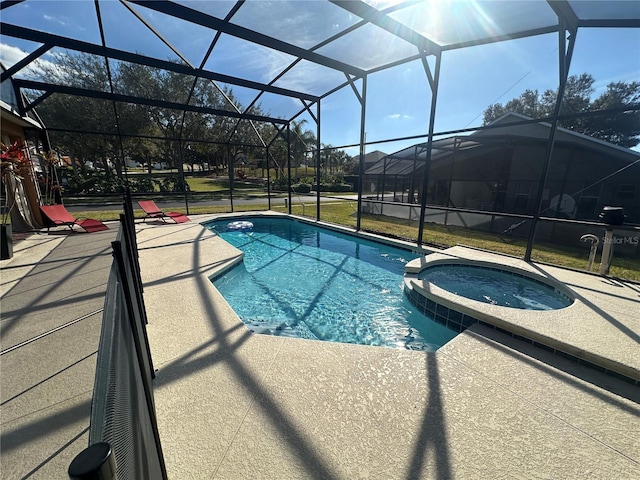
(612, 215)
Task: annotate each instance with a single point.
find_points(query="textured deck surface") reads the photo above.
(602, 326)
(235, 405)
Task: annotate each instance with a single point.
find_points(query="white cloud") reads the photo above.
(305, 76)
(49, 18)
(10, 55)
(382, 4)
(399, 116)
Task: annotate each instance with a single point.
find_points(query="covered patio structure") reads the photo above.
(226, 403)
(336, 55)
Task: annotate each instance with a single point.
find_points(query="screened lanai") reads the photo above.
(496, 170)
(266, 98)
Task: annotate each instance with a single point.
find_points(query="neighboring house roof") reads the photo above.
(540, 130)
(10, 115)
(405, 161)
(372, 157)
(9, 109)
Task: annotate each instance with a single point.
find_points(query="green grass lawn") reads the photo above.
(344, 213)
(204, 184)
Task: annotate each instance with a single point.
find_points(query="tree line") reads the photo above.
(150, 134)
(620, 125)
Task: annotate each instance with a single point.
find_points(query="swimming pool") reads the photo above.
(496, 286)
(302, 280)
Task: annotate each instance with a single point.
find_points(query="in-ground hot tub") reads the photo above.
(458, 291)
(496, 286)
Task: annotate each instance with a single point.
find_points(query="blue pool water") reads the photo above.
(495, 286)
(301, 280)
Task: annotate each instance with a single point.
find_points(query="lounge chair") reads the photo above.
(151, 210)
(58, 215)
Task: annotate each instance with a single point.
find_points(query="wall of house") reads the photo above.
(503, 175)
(584, 175)
(506, 179)
(490, 177)
(29, 217)
(11, 132)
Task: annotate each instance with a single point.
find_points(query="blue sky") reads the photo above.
(398, 100)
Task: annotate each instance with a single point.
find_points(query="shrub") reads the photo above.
(336, 187)
(301, 188)
(309, 180)
(141, 184)
(280, 184)
(173, 183)
(92, 182)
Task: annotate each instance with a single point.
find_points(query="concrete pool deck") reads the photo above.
(601, 326)
(235, 405)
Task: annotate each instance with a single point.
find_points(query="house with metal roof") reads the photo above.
(499, 170)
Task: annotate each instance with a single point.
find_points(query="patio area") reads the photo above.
(231, 404)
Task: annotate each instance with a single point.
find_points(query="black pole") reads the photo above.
(95, 462)
(268, 179)
(230, 169)
(564, 61)
(289, 165)
(182, 179)
(318, 162)
(46, 142)
(318, 175)
(363, 134)
(427, 162)
(451, 169)
(384, 180)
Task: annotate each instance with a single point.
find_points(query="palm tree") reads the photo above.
(301, 142)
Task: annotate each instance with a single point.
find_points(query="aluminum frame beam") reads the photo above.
(565, 54)
(381, 20)
(52, 40)
(117, 97)
(434, 83)
(209, 21)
